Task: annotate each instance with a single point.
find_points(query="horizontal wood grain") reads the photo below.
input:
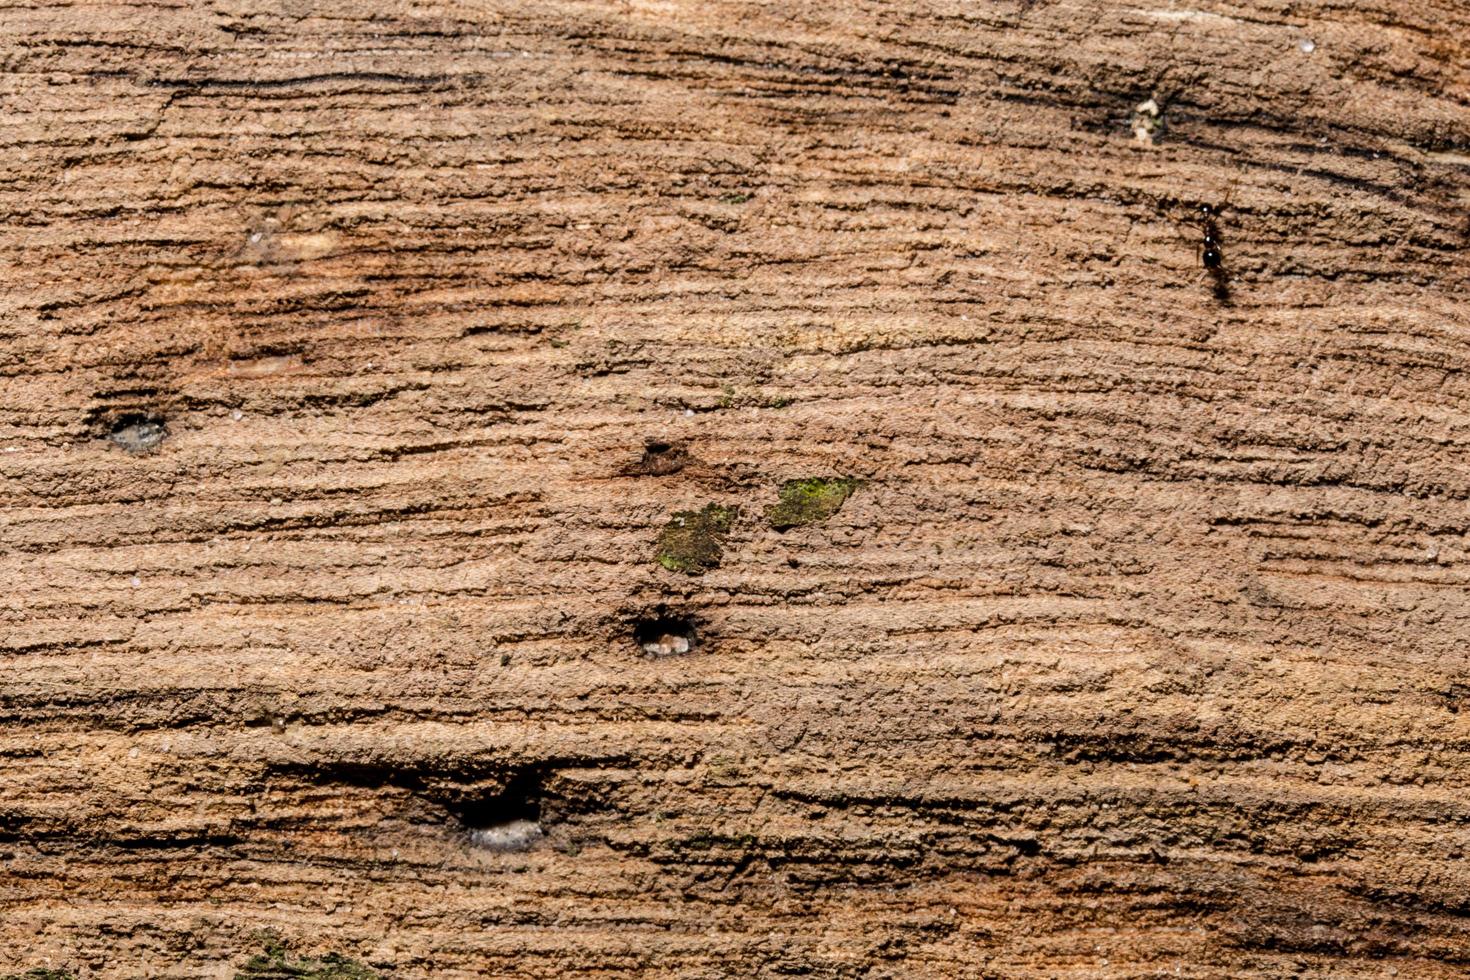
(1139, 651)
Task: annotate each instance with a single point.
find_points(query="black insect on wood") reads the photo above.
(1212, 251)
(1211, 244)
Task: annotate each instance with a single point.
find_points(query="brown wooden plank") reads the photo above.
(1140, 649)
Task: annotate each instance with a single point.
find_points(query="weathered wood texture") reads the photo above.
(1141, 650)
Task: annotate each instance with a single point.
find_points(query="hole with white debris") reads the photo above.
(665, 635)
(1147, 121)
(137, 433)
(509, 820)
(513, 835)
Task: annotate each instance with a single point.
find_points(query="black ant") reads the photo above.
(1211, 249)
(1210, 253)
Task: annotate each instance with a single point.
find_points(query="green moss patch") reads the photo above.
(276, 964)
(693, 540)
(40, 974)
(809, 501)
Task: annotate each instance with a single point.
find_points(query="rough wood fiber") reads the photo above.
(1140, 650)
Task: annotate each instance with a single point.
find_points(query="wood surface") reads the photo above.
(341, 575)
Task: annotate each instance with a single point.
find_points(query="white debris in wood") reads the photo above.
(667, 645)
(1146, 122)
(514, 835)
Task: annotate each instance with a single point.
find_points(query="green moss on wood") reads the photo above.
(809, 501)
(275, 964)
(693, 540)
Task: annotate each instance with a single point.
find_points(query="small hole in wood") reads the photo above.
(137, 433)
(660, 459)
(665, 636)
(507, 821)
